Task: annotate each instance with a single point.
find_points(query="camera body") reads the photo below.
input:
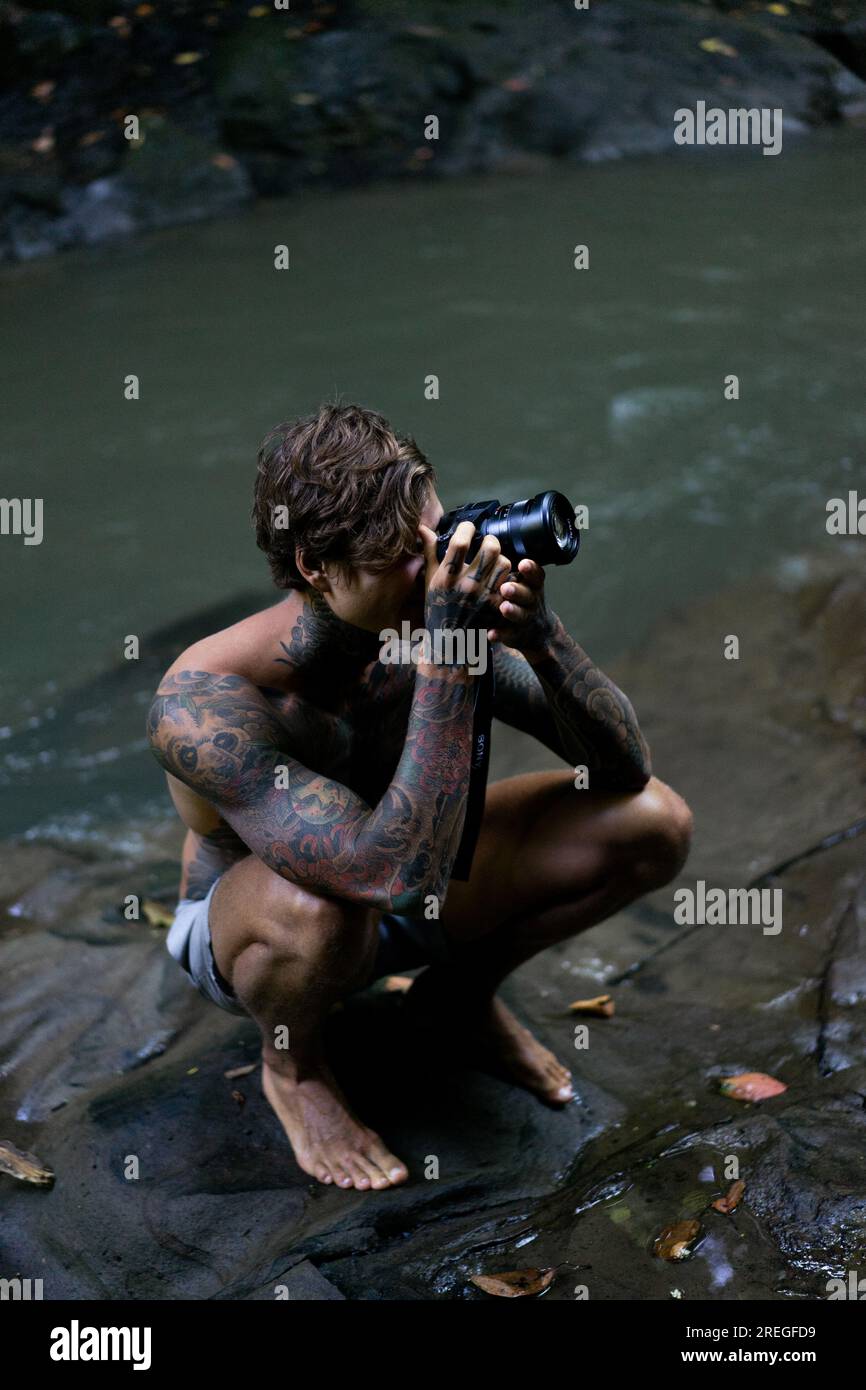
(540, 528)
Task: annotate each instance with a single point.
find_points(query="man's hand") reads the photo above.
(461, 594)
(525, 622)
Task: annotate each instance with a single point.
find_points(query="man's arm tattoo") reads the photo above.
(219, 735)
(574, 709)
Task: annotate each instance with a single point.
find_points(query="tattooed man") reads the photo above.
(325, 792)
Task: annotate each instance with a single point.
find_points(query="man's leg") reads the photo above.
(289, 955)
(550, 862)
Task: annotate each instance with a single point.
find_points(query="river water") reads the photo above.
(606, 383)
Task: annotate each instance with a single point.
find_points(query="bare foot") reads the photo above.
(495, 1041)
(509, 1050)
(328, 1141)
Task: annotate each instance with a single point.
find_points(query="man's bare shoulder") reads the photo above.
(249, 648)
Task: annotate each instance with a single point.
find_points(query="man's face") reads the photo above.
(378, 601)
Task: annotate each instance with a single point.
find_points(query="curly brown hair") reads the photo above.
(342, 486)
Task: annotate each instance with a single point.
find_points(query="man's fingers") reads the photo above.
(429, 539)
(502, 570)
(458, 546)
(531, 573)
(486, 558)
(519, 594)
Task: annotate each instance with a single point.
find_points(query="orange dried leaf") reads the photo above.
(91, 138)
(674, 1242)
(24, 1166)
(602, 1006)
(239, 1097)
(517, 1283)
(183, 60)
(731, 1199)
(224, 161)
(751, 1085)
(398, 984)
(42, 91)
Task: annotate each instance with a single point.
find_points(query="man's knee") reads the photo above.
(663, 835)
(293, 924)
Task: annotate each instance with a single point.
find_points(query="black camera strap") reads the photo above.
(482, 719)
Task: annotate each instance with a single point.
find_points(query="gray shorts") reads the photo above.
(404, 944)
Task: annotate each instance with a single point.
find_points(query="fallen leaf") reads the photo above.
(516, 84)
(192, 1071)
(224, 161)
(234, 1072)
(602, 1006)
(674, 1241)
(304, 98)
(42, 91)
(731, 1199)
(91, 138)
(398, 984)
(751, 1085)
(421, 31)
(717, 46)
(45, 142)
(24, 1166)
(156, 914)
(143, 10)
(258, 11)
(183, 60)
(239, 1097)
(517, 1283)
(778, 9)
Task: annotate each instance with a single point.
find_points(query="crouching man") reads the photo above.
(324, 792)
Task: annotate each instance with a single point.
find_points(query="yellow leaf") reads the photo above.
(184, 59)
(155, 914)
(257, 11)
(24, 1166)
(717, 46)
(778, 9)
(192, 1071)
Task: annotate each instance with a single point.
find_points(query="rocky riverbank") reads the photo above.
(107, 1053)
(236, 100)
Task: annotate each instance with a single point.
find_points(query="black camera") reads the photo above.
(540, 528)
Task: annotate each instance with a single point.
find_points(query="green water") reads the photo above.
(606, 383)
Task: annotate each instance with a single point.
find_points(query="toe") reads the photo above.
(394, 1170)
(341, 1177)
(378, 1179)
(359, 1175)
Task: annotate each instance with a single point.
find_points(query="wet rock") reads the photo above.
(110, 1055)
(175, 176)
(270, 102)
